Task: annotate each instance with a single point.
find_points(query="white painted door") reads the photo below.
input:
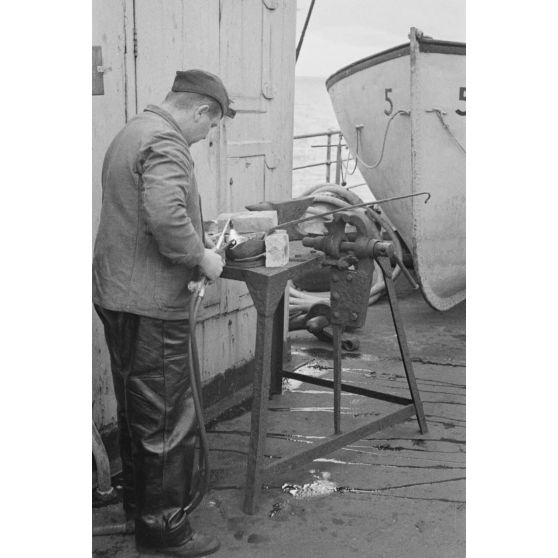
(257, 65)
(242, 41)
(110, 106)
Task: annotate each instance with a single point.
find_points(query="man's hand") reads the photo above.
(208, 243)
(211, 264)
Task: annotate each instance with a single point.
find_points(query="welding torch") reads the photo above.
(198, 287)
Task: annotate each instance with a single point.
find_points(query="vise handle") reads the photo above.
(362, 248)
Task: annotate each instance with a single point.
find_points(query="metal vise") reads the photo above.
(351, 246)
(353, 240)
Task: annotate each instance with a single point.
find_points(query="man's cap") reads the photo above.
(204, 83)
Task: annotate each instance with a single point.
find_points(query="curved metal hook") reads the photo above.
(424, 194)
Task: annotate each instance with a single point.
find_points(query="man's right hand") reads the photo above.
(211, 264)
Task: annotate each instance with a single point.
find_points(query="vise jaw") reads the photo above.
(349, 246)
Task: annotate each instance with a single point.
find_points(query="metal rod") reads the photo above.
(317, 134)
(328, 155)
(339, 161)
(365, 204)
(319, 164)
(301, 40)
(406, 272)
(335, 442)
(385, 266)
(222, 235)
(123, 528)
(325, 145)
(348, 388)
(199, 286)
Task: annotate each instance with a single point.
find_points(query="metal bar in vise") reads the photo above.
(365, 204)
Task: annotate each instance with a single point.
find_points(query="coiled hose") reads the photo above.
(300, 301)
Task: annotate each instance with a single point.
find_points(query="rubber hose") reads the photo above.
(331, 200)
(195, 382)
(328, 186)
(314, 210)
(350, 197)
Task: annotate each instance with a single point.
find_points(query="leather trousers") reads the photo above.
(157, 422)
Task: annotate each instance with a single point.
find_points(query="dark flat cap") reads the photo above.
(204, 83)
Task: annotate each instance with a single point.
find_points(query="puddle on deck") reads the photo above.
(326, 354)
(320, 486)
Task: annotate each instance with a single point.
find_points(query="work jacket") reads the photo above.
(150, 233)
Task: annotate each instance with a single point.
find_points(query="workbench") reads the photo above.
(267, 289)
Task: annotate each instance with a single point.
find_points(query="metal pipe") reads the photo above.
(317, 134)
(337, 371)
(328, 155)
(365, 204)
(325, 145)
(318, 164)
(339, 161)
(122, 528)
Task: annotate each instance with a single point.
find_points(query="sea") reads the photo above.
(314, 113)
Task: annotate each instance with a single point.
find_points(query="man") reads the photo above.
(149, 246)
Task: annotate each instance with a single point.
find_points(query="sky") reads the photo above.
(343, 31)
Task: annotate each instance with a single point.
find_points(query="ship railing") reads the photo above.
(334, 143)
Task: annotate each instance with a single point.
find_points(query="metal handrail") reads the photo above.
(317, 134)
(328, 162)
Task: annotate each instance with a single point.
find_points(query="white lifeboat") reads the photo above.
(402, 113)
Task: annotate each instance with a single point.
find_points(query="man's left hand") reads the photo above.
(208, 242)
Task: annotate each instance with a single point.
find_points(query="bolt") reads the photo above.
(354, 316)
(336, 314)
(334, 277)
(335, 295)
(349, 277)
